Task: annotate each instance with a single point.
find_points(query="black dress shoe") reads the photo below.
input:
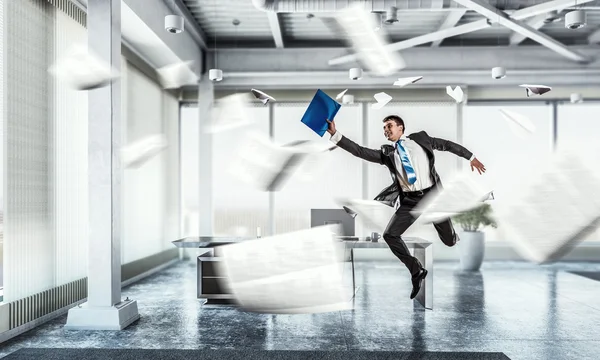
(417, 280)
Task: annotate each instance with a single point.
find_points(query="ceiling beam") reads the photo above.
(500, 17)
(423, 39)
(451, 20)
(276, 29)
(314, 80)
(521, 14)
(426, 59)
(177, 6)
(537, 22)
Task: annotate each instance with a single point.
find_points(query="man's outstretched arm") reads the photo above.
(353, 148)
(457, 149)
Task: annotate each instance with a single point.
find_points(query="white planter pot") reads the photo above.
(472, 249)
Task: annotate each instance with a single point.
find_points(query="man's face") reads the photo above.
(392, 131)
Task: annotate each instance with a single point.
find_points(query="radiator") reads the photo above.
(35, 306)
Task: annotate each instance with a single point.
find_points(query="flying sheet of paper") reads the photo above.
(81, 69)
(382, 100)
(316, 161)
(263, 97)
(136, 154)
(348, 99)
(357, 26)
(265, 165)
(298, 272)
(230, 112)
(457, 93)
(532, 90)
(372, 214)
(519, 124)
(402, 82)
(341, 95)
(550, 214)
(458, 195)
(311, 146)
(177, 75)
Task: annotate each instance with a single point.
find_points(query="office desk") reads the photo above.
(208, 279)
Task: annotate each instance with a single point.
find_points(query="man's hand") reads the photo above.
(331, 127)
(476, 164)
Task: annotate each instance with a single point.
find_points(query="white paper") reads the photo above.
(136, 154)
(371, 214)
(402, 82)
(267, 166)
(341, 95)
(81, 69)
(299, 272)
(263, 97)
(382, 100)
(358, 27)
(177, 75)
(532, 90)
(457, 93)
(458, 195)
(230, 112)
(550, 214)
(519, 124)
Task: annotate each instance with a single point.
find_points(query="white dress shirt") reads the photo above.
(418, 159)
(420, 163)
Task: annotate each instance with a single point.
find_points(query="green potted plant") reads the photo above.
(472, 241)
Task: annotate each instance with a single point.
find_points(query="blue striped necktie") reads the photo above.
(410, 171)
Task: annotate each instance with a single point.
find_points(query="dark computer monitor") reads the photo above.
(320, 217)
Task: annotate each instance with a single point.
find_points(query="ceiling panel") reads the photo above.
(216, 16)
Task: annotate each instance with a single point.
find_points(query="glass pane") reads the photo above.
(317, 185)
(238, 208)
(507, 157)
(189, 152)
(578, 128)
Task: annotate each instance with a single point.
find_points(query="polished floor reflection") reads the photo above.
(526, 311)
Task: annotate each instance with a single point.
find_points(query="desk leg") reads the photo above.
(425, 295)
(353, 276)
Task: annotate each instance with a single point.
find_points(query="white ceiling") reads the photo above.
(215, 18)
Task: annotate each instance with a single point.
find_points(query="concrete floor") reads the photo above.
(526, 311)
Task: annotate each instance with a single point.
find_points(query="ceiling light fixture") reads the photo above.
(575, 20)
(391, 15)
(215, 74)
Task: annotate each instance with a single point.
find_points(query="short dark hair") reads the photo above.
(397, 119)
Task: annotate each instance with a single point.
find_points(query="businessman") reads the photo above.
(411, 162)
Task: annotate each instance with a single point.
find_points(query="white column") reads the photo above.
(205, 103)
(459, 134)
(104, 309)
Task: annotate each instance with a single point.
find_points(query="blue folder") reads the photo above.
(320, 109)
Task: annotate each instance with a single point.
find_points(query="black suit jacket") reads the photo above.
(385, 156)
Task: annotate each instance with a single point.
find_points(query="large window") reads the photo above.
(190, 162)
(335, 174)
(438, 119)
(238, 208)
(578, 129)
(508, 158)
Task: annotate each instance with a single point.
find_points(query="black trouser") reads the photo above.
(402, 220)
